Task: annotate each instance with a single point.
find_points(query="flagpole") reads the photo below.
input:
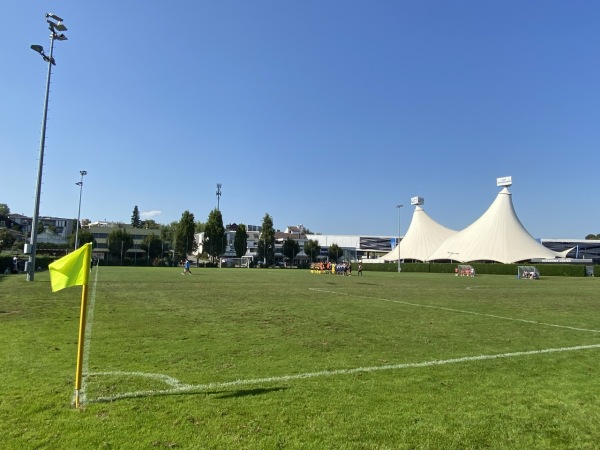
(74, 270)
(80, 344)
(87, 262)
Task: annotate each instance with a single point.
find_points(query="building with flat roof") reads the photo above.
(60, 227)
(577, 248)
(101, 232)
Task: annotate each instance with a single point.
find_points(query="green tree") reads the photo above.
(214, 234)
(167, 232)
(312, 249)
(152, 245)
(592, 236)
(290, 248)
(4, 209)
(184, 235)
(200, 227)
(167, 236)
(240, 241)
(335, 252)
(6, 239)
(135, 218)
(266, 244)
(150, 224)
(119, 241)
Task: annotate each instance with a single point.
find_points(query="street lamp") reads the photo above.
(55, 25)
(265, 251)
(218, 195)
(80, 184)
(399, 267)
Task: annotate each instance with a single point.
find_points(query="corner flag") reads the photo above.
(74, 270)
(71, 270)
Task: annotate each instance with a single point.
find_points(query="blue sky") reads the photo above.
(323, 113)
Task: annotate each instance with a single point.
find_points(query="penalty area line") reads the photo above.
(179, 388)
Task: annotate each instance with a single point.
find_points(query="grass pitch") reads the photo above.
(267, 359)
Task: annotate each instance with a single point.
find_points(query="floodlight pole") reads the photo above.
(36, 210)
(398, 245)
(80, 184)
(218, 195)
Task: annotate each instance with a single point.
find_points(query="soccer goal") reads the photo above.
(465, 271)
(235, 262)
(528, 272)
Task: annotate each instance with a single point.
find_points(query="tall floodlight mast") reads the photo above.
(218, 195)
(80, 184)
(55, 25)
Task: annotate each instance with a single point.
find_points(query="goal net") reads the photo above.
(235, 262)
(465, 270)
(529, 272)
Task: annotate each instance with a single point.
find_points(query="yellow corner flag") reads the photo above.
(71, 270)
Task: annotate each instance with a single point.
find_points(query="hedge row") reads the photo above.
(6, 261)
(564, 270)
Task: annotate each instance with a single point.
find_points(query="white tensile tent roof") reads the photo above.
(424, 235)
(497, 235)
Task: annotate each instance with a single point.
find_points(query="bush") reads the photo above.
(6, 261)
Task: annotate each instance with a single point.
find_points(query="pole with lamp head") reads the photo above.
(80, 184)
(55, 26)
(218, 196)
(265, 250)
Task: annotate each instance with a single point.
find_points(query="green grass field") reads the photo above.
(269, 359)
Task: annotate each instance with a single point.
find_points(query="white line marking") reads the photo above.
(179, 387)
(443, 308)
(153, 376)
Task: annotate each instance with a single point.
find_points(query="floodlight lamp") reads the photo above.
(38, 48)
(54, 27)
(83, 172)
(53, 16)
(79, 183)
(60, 37)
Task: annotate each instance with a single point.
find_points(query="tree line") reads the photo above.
(176, 238)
